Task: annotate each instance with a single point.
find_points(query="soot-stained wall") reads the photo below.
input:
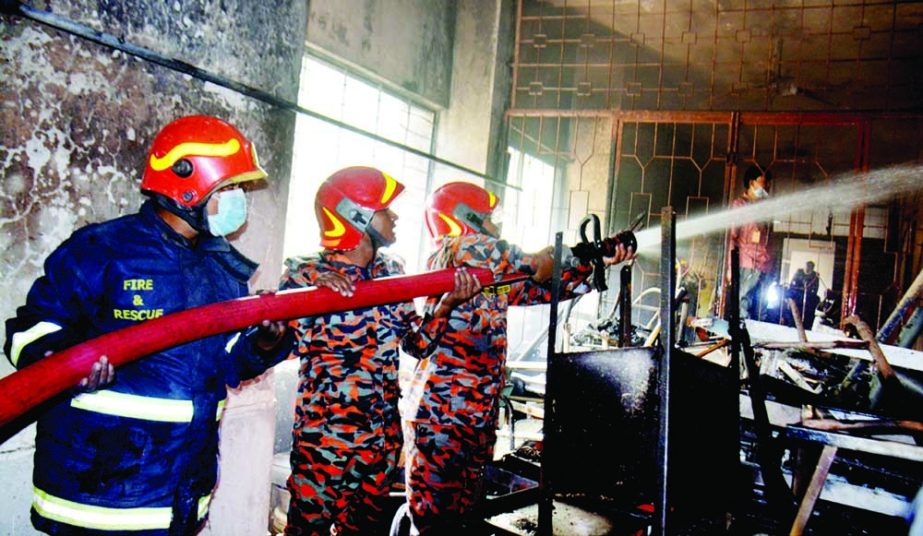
(76, 120)
(408, 43)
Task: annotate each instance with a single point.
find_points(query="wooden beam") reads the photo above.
(814, 489)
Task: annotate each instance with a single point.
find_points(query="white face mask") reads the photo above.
(760, 193)
(232, 212)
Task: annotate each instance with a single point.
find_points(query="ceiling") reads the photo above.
(772, 55)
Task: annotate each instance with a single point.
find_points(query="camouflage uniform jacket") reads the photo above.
(348, 390)
(459, 384)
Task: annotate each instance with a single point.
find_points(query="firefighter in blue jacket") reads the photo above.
(137, 453)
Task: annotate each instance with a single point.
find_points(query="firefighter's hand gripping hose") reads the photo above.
(36, 383)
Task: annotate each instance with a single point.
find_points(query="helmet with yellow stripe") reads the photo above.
(196, 155)
(460, 208)
(347, 200)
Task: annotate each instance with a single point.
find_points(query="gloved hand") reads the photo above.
(269, 333)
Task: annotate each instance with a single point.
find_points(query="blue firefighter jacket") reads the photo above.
(139, 456)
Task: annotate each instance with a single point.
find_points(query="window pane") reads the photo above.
(321, 88)
(526, 211)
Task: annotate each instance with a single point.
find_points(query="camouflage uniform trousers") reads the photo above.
(444, 473)
(342, 488)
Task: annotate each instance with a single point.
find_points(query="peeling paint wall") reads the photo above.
(406, 42)
(76, 119)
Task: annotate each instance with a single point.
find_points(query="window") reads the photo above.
(528, 221)
(527, 210)
(322, 148)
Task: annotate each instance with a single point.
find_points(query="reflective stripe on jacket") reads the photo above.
(141, 454)
(108, 519)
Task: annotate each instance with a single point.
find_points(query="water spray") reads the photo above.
(846, 191)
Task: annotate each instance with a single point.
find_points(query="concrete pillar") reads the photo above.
(241, 503)
(471, 129)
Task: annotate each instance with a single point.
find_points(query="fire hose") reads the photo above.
(32, 385)
(42, 380)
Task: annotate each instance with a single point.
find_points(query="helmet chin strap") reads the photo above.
(474, 219)
(195, 216)
(378, 241)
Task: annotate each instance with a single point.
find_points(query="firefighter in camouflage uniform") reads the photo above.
(452, 408)
(347, 433)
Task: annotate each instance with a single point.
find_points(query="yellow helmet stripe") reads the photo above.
(491, 199)
(338, 228)
(390, 186)
(194, 149)
(454, 228)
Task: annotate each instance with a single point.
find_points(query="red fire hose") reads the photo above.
(36, 383)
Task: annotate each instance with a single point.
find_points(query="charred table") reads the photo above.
(606, 436)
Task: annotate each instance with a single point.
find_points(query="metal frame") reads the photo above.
(668, 285)
(698, 55)
(668, 274)
(546, 484)
(727, 151)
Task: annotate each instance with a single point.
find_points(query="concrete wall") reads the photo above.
(405, 42)
(471, 129)
(452, 55)
(76, 120)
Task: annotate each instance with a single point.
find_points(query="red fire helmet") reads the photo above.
(459, 208)
(195, 155)
(346, 202)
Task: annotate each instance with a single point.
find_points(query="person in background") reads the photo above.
(828, 311)
(136, 451)
(811, 294)
(450, 412)
(347, 432)
(752, 242)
